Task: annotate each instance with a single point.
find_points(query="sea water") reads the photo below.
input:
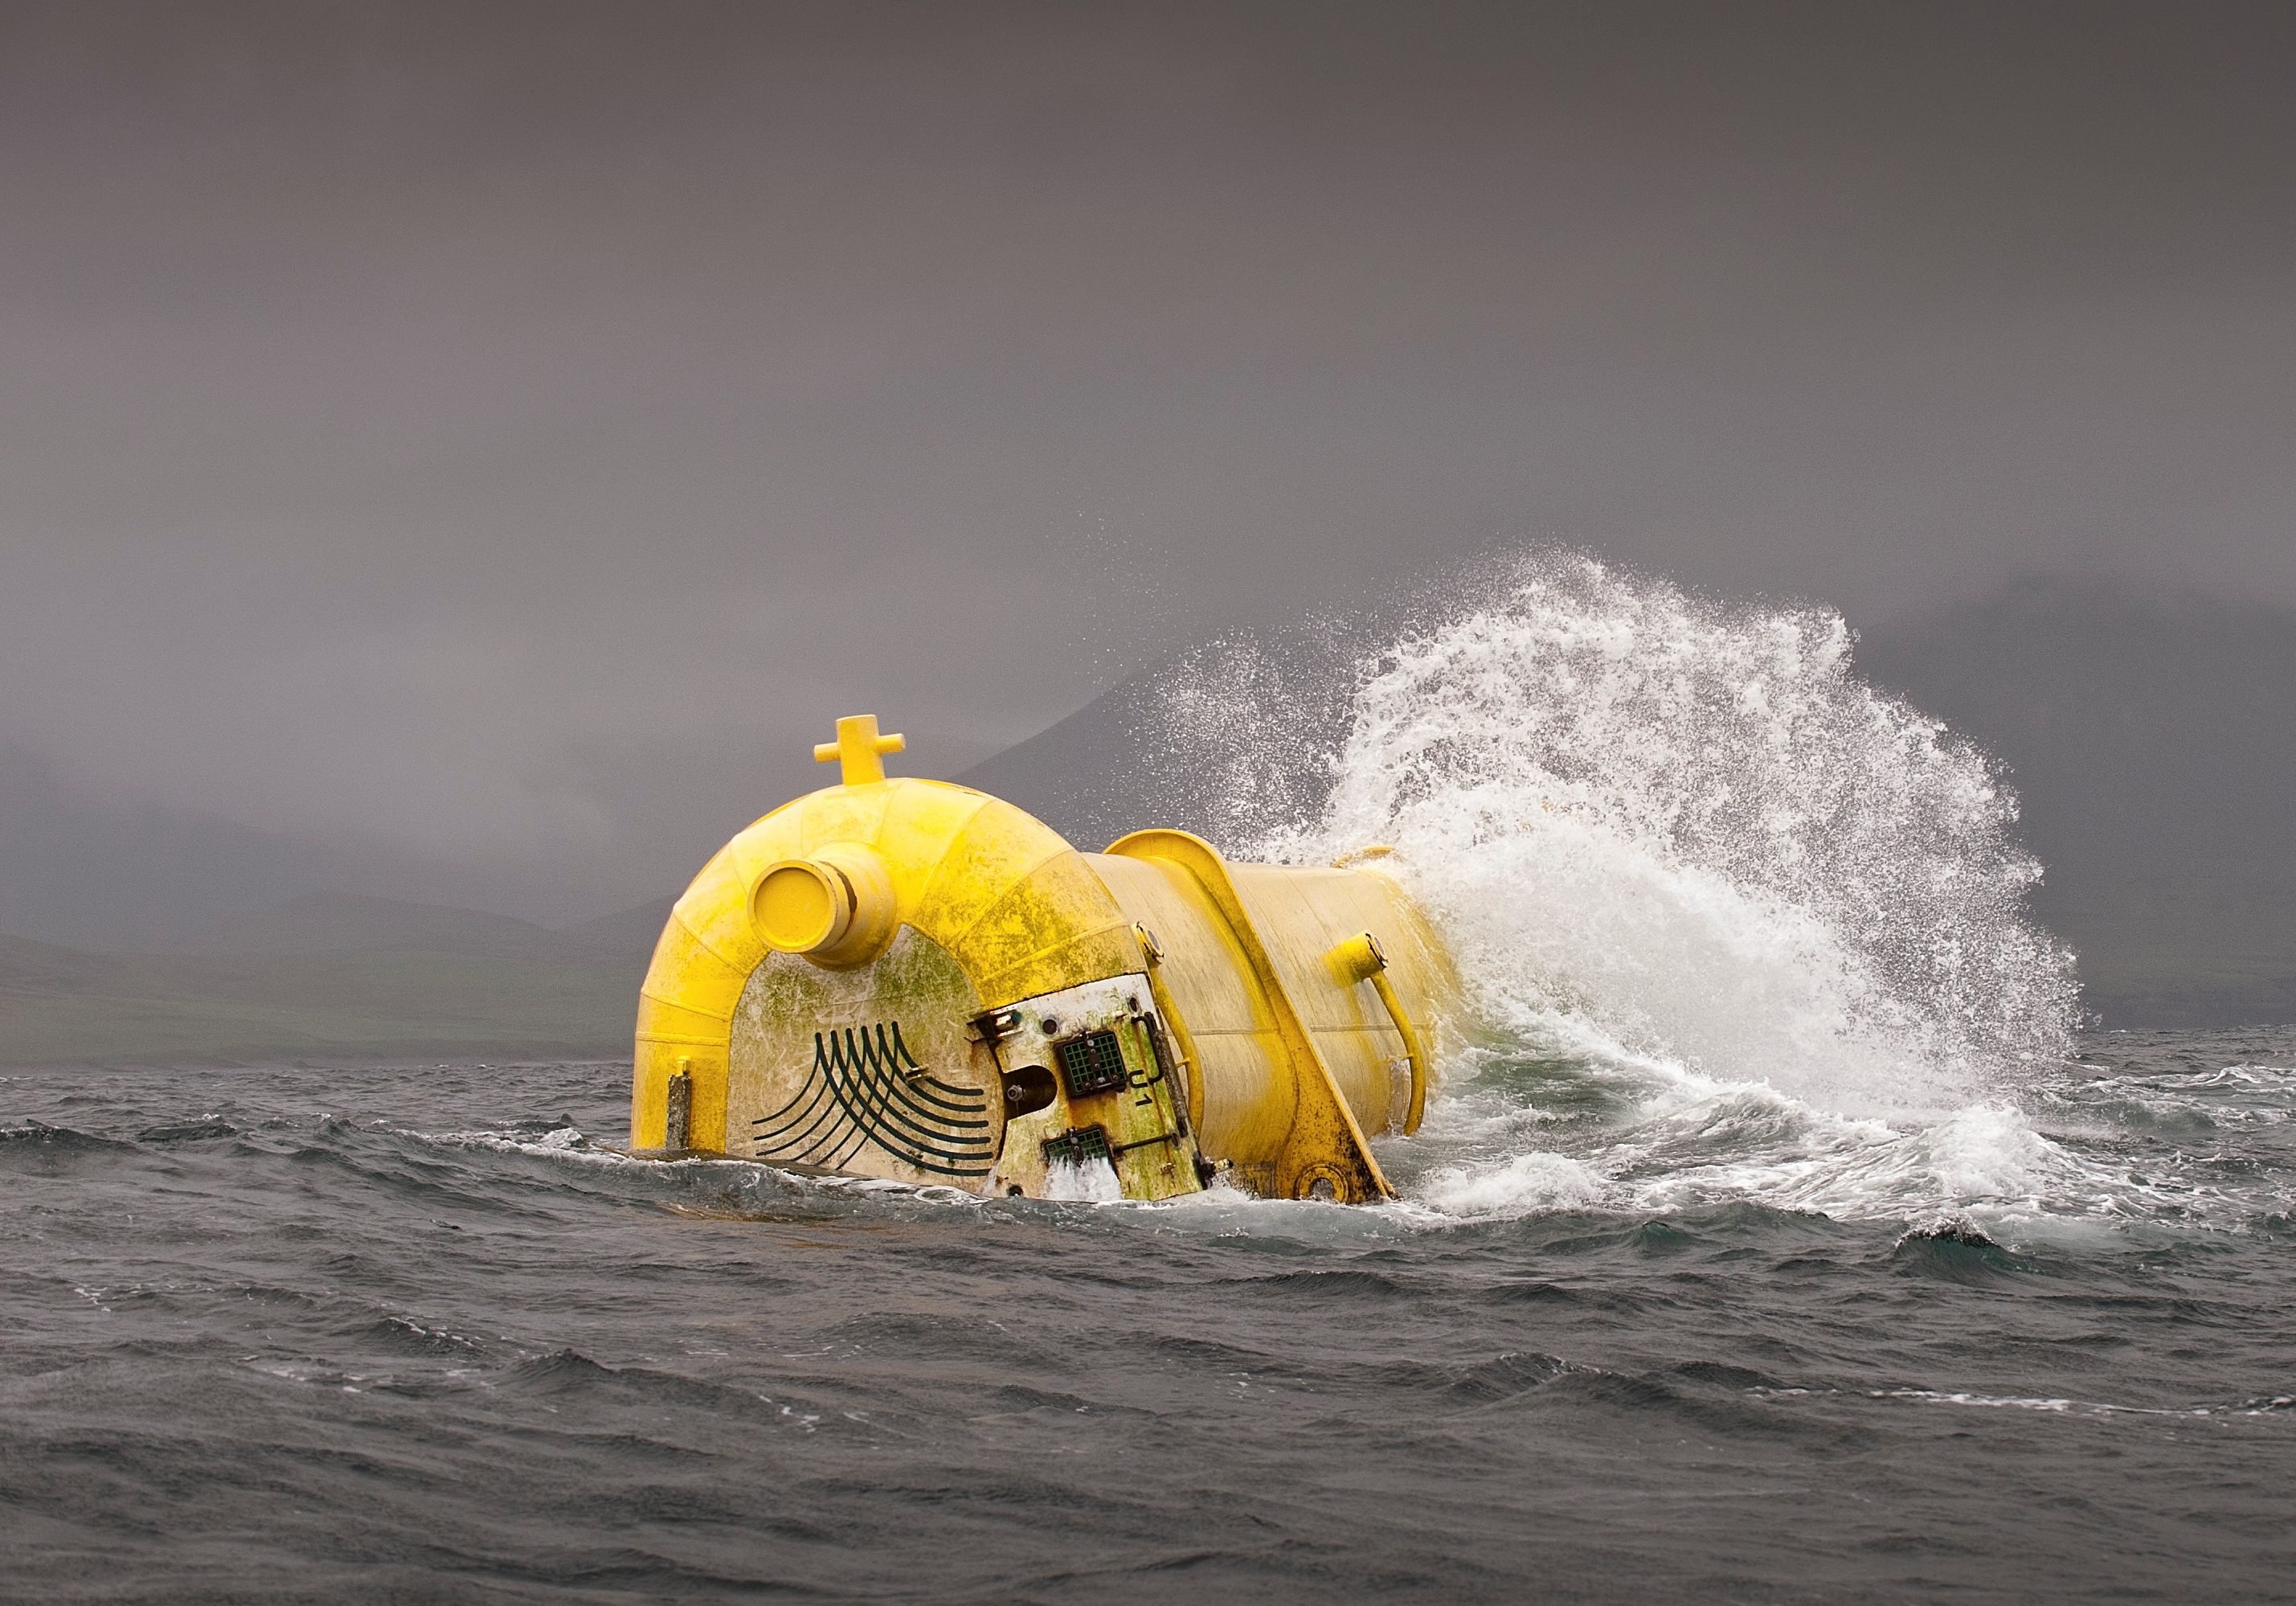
(1776, 1233)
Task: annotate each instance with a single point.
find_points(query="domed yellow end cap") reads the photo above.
(800, 907)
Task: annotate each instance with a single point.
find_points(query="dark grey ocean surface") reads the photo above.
(418, 1334)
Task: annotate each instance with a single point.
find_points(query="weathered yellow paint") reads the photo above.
(1247, 1036)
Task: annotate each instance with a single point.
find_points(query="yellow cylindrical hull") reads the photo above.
(907, 979)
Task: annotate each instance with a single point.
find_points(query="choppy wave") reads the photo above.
(428, 1333)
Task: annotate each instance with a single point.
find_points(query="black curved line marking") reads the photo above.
(862, 1074)
(851, 1139)
(829, 1145)
(883, 1060)
(792, 1139)
(913, 1089)
(827, 1130)
(898, 1051)
(888, 1093)
(820, 1145)
(803, 1144)
(903, 1119)
(926, 1158)
(884, 1092)
(842, 1162)
(863, 1101)
(807, 1095)
(807, 1145)
(858, 1091)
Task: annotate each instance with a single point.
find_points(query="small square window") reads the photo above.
(1091, 1063)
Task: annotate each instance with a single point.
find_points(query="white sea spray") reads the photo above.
(1679, 841)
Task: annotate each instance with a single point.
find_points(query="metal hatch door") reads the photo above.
(1094, 1109)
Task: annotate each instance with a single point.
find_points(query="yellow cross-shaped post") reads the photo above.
(860, 748)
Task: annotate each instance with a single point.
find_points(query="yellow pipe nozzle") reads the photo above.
(1359, 958)
(836, 907)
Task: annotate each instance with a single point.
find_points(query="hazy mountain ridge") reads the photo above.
(80, 869)
(627, 930)
(333, 977)
(351, 922)
(2152, 740)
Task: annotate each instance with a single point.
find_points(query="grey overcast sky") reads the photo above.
(504, 436)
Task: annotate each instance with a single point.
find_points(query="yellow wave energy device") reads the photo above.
(911, 980)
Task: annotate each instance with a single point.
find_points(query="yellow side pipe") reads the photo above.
(1411, 1050)
(1361, 959)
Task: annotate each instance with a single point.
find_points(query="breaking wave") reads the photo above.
(1770, 919)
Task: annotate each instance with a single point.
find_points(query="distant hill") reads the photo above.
(331, 978)
(75, 868)
(628, 931)
(1083, 776)
(350, 923)
(87, 869)
(1229, 735)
